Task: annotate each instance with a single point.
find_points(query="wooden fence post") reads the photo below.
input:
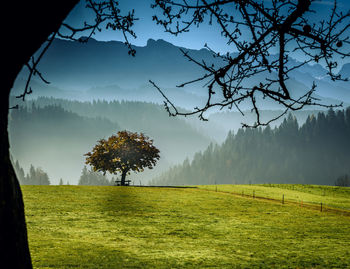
(321, 206)
(253, 194)
(282, 198)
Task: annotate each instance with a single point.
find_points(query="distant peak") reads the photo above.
(346, 65)
(345, 70)
(85, 39)
(158, 42)
(150, 41)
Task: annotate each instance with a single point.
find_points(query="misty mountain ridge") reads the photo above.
(104, 70)
(55, 139)
(55, 133)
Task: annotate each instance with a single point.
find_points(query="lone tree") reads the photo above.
(123, 153)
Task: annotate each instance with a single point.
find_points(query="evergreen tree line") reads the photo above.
(318, 152)
(128, 114)
(89, 177)
(35, 176)
(34, 116)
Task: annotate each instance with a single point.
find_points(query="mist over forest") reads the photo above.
(96, 89)
(317, 152)
(54, 134)
(56, 139)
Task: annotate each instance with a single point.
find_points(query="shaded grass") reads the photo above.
(337, 197)
(125, 227)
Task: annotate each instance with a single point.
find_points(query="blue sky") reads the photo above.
(145, 28)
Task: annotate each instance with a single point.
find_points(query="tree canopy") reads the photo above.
(124, 152)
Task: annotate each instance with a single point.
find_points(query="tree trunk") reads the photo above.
(29, 25)
(122, 183)
(14, 249)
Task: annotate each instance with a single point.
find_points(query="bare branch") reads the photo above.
(32, 67)
(255, 29)
(107, 15)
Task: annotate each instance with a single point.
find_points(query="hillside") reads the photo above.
(55, 139)
(61, 129)
(131, 114)
(221, 123)
(130, 227)
(317, 152)
(175, 137)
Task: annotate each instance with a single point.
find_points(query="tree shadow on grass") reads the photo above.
(125, 200)
(89, 255)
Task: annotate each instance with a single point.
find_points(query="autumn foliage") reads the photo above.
(124, 152)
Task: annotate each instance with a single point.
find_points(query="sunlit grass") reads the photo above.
(130, 227)
(337, 197)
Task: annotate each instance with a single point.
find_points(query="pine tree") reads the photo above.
(41, 177)
(36, 176)
(93, 178)
(19, 172)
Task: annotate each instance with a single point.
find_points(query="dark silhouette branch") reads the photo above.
(255, 29)
(107, 15)
(32, 67)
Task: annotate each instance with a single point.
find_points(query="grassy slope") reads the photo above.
(126, 227)
(337, 197)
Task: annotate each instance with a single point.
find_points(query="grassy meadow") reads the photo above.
(135, 227)
(335, 197)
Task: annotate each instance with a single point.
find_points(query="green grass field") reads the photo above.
(130, 227)
(336, 197)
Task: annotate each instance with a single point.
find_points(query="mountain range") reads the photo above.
(104, 70)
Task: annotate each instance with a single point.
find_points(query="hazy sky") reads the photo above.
(145, 28)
